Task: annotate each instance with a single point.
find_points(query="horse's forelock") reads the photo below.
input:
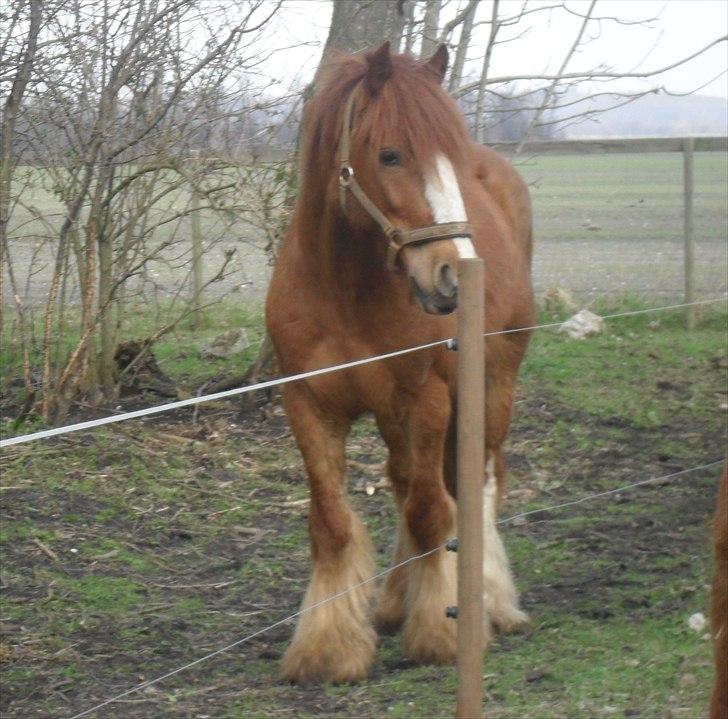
(410, 111)
(413, 113)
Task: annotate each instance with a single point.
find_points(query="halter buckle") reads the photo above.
(393, 250)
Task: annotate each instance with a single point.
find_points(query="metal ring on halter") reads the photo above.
(346, 175)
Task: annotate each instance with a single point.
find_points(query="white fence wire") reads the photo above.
(179, 404)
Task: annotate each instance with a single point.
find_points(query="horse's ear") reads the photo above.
(438, 62)
(379, 68)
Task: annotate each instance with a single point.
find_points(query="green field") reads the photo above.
(605, 225)
(132, 550)
(626, 197)
(612, 225)
(622, 194)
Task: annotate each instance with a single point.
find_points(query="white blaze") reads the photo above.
(443, 193)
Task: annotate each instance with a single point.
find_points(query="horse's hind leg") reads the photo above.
(335, 641)
(500, 595)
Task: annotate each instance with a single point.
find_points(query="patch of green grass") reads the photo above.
(625, 197)
(111, 550)
(634, 370)
(597, 668)
(177, 353)
(113, 595)
(16, 531)
(189, 605)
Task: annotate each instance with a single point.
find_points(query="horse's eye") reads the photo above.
(390, 158)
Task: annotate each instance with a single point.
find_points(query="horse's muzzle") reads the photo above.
(435, 303)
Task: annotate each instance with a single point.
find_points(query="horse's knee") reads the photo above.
(430, 517)
(330, 529)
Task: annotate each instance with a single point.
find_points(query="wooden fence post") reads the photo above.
(471, 463)
(688, 184)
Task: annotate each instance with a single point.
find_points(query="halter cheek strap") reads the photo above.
(397, 238)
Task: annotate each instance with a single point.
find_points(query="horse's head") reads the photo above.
(401, 152)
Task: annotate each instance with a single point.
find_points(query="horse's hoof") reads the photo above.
(329, 662)
(304, 669)
(437, 645)
(512, 621)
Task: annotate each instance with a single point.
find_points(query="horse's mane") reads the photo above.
(410, 112)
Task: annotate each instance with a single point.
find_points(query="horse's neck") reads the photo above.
(348, 265)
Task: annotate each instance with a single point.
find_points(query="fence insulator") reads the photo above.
(451, 612)
(451, 545)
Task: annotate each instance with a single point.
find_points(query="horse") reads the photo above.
(392, 193)
(719, 603)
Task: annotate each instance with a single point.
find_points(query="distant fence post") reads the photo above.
(471, 464)
(196, 232)
(689, 249)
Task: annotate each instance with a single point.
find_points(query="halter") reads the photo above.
(397, 238)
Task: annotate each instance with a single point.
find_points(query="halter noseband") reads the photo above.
(396, 237)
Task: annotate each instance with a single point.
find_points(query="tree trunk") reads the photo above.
(480, 102)
(430, 28)
(7, 131)
(107, 329)
(197, 280)
(409, 28)
(461, 53)
(359, 24)
(399, 12)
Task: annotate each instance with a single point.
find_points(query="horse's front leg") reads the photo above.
(429, 518)
(391, 610)
(335, 641)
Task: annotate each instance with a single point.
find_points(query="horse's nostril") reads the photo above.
(446, 280)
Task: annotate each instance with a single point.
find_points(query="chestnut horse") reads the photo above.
(392, 193)
(719, 603)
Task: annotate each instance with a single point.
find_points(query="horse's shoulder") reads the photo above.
(507, 190)
(494, 170)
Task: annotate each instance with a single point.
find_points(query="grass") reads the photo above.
(625, 197)
(631, 347)
(137, 548)
(177, 353)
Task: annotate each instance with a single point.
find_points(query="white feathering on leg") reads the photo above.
(501, 598)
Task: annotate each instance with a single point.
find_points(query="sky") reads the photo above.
(681, 27)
